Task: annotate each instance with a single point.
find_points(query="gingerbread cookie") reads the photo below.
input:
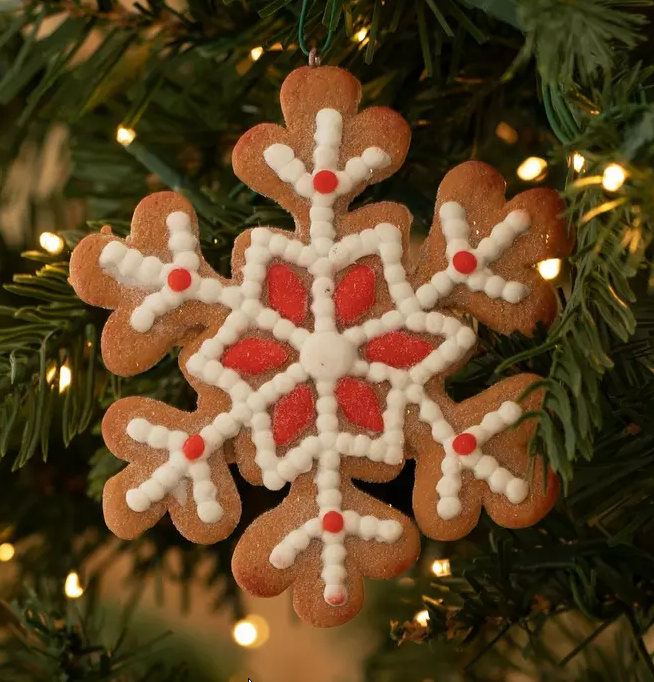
(323, 360)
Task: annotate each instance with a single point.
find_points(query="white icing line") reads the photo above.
(473, 272)
(168, 477)
(484, 467)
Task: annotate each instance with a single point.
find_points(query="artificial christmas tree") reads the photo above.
(155, 98)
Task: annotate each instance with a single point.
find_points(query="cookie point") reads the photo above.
(464, 262)
(335, 595)
(333, 522)
(193, 447)
(179, 279)
(465, 444)
(325, 181)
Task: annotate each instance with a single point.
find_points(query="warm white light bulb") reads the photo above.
(441, 568)
(255, 53)
(422, 618)
(7, 551)
(550, 268)
(360, 35)
(64, 378)
(51, 242)
(578, 162)
(125, 135)
(532, 168)
(251, 632)
(72, 587)
(613, 177)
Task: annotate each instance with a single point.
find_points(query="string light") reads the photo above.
(441, 568)
(251, 632)
(65, 377)
(51, 242)
(360, 35)
(506, 133)
(550, 268)
(422, 618)
(613, 177)
(72, 587)
(578, 162)
(532, 169)
(7, 551)
(255, 53)
(125, 136)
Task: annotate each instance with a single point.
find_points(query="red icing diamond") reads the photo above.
(355, 294)
(286, 293)
(254, 356)
(397, 349)
(359, 403)
(179, 279)
(465, 444)
(325, 181)
(333, 522)
(292, 414)
(464, 262)
(193, 447)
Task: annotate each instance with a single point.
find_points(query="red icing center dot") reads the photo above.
(193, 447)
(333, 522)
(325, 181)
(464, 262)
(179, 279)
(464, 444)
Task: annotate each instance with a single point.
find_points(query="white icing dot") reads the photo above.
(485, 467)
(182, 241)
(138, 429)
(137, 500)
(448, 508)
(389, 530)
(153, 490)
(499, 479)
(514, 292)
(113, 252)
(517, 490)
(374, 157)
(510, 412)
(272, 480)
(158, 437)
(278, 155)
(210, 511)
(451, 210)
(178, 220)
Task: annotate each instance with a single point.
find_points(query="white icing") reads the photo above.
(456, 232)
(325, 354)
(484, 467)
(130, 267)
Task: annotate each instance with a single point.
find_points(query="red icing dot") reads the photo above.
(465, 444)
(336, 599)
(179, 279)
(286, 293)
(333, 522)
(355, 294)
(193, 447)
(292, 414)
(359, 403)
(325, 181)
(397, 349)
(464, 262)
(254, 356)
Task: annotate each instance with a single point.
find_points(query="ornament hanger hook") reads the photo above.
(314, 53)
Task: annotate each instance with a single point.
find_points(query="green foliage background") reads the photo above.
(567, 75)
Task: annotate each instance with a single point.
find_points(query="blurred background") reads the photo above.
(103, 102)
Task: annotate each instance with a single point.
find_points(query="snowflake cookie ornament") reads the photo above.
(324, 359)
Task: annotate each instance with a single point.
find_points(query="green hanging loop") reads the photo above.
(300, 30)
